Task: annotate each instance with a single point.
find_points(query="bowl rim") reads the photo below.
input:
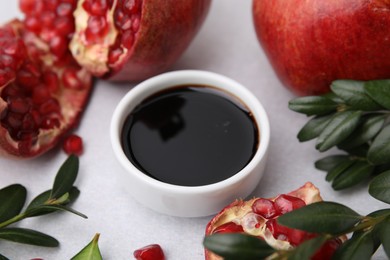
(159, 82)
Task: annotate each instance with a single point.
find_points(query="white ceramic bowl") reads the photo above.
(190, 201)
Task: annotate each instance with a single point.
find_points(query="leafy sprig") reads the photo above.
(13, 199)
(328, 219)
(354, 117)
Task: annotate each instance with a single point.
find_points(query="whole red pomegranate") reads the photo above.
(310, 43)
(41, 95)
(134, 39)
(258, 217)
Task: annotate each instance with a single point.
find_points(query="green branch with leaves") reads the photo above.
(328, 219)
(13, 199)
(354, 117)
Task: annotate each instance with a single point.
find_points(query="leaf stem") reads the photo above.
(12, 220)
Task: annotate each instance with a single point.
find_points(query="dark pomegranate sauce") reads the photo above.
(190, 136)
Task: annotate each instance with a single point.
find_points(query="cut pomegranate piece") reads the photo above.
(73, 144)
(133, 39)
(36, 105)
(258, 217)
(150, 252)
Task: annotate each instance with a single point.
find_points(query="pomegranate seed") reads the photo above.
(265, 208)
(19, 106)
(285, 203)
(150, 252)
(114, 55)
(327, 250)
(51, 81)
(36, 116)
(229, 227)
(47, 19)
(73, 144)
(97, 28)
(50, 106)
(64, 9)
(136, 22)
(278, 231)
(14, 120)
(40, 95)
(33, 24)
(64, 26)
(58, 46)
(98, 7)
(28, 122)
(7, 61)
(131, 6)
(128, 39)
(70, 79)
(26, 79)
(27, 6)
(296, 237)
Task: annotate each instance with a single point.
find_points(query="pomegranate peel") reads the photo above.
(37, 106)
(137, 39)
(246, 214)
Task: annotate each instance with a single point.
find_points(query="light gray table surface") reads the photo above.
(227, 45)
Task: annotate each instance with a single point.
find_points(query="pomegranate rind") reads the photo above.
(241, 213)
(71, 101)
(166, 29)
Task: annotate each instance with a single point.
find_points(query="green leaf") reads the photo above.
(321, 217)
(370, 127)
(339, 169)
(384, 236)
(379, 187)
(331, 161)
(65, 177)
(378, 90)
(340, 127)
(35, 209)
(313, 128)
(237, 246)
(359, 247)
(3, 257)
(353, 175)
(353, 93)
(12, 199)
(313, 105)
(28, 236)
(63, 208)
(379, 152)
(90, 251)
(307, 248)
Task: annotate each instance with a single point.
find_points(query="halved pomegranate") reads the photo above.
(134, 39)
(258, 217)
(41, 93)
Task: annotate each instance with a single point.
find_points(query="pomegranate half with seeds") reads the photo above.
(134, 39)
(258, 217)
(41, 95)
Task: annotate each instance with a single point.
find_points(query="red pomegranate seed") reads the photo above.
(14, 120)
(64, 26)
(28, 122)
(33, 24)
(70, 79)
(20, 106)
(50, 106)
(265, 208)
(128, 39)
(27, 6)
(7, 61)
(64, 9)
(327, 250)
(40, 94)
(97, 28)
(150, 252)
(114, 55)
(50, 80)
(285, 203)
(58, 45)
(47, 19)
(278, 231)
(98, 7)
(229, 227)
(73, 144)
